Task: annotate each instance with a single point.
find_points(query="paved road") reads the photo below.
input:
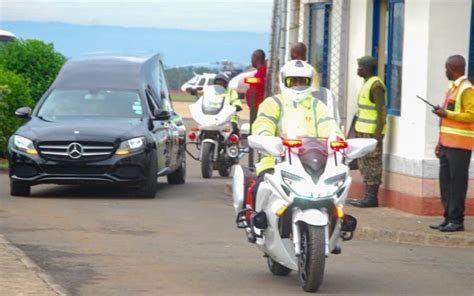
(100, 241)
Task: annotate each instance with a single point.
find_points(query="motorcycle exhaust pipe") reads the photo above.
(233, 151)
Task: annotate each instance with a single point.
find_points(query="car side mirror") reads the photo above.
(23, 112)
(162, 115)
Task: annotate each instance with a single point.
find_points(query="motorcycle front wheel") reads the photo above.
(312, 260)
(207, 164)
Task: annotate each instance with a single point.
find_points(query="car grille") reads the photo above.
(75, 151)
(74, 169)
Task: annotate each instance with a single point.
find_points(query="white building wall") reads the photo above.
(450, 23)
(360, 27)
(406, 136)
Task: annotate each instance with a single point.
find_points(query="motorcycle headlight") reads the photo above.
(131, 146)
(297, 184)
(24, 144)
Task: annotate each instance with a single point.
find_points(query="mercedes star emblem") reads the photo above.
(74, 150)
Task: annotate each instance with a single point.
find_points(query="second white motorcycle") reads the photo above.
(219, 148)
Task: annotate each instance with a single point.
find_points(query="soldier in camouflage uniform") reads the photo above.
(371, 123)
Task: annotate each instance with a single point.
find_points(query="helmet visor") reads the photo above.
(297, 82)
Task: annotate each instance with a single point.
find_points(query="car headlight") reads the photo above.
(131, 146)
(299, 185)
(24, 144)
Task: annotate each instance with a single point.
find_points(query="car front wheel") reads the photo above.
(17, 189)
(178, 176)
(149, 187)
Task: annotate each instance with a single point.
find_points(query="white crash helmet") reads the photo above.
(293, 69)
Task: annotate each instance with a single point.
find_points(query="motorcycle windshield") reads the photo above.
(313, 156)
(213, 99)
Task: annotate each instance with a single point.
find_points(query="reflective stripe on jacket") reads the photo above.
(367, 112)
(453, 133)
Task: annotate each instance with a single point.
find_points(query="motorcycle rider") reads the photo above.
(222, 79)
(298, 111)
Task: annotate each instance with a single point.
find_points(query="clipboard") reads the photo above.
(427, 103)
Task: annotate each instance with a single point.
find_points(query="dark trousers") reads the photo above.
(453, 180)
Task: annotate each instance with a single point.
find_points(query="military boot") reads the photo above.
(354, 200)
(370, 200)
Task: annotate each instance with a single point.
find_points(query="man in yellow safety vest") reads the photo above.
(371, 123)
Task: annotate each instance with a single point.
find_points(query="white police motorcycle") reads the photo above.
(299, 217)
(218, 147)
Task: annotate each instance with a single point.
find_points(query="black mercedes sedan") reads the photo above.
(105, 119)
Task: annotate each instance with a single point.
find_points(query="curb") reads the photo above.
(413, 238)
(29, 264)
(403, 237)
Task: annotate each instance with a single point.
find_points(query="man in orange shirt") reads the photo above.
(456, 142)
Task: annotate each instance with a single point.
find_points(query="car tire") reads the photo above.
(178, 176)
(17, 189)
(149, 187)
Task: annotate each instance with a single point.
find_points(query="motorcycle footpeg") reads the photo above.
(251, 237)
(346, 236)
(241, 219)
(337, 250)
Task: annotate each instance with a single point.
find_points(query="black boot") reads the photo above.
(370, 200)
(354, 200)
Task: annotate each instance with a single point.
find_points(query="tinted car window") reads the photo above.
(164, 91)
(88, 103)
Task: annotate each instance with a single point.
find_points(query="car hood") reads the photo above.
(101, 130)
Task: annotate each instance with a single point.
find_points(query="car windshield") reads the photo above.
(64, 103)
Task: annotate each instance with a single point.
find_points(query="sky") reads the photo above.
(202, 15)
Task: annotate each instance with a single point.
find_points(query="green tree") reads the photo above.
(14, 93)
(35, 60)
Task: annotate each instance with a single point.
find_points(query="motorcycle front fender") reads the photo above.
(311, 217)
(216, 147)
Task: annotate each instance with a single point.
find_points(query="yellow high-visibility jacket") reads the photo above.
(279, 116)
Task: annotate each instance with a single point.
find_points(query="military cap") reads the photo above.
(368, 61)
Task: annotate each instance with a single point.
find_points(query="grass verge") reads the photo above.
(3, 163)
(183, 97)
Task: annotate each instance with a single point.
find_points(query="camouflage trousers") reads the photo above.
(370, 166)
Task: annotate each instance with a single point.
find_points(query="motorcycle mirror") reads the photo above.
(268, 144)
(359, 147)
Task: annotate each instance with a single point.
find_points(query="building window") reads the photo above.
(387, 46)
(318, 43)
